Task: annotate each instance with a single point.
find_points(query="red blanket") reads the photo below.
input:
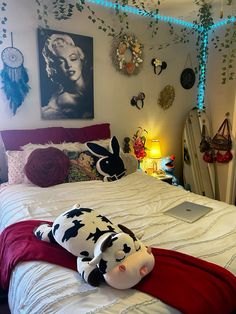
(191, 285)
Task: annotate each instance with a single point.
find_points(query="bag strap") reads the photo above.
(203, 131)
(224, 129)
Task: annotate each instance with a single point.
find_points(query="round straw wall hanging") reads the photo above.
(166, 97)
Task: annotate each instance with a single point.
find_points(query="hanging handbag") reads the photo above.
(204, 144)
(209, 156)
(222, 139)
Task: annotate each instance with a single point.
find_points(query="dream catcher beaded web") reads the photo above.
(14, 76)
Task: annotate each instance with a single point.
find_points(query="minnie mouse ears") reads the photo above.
(158, 64)
(136, 99)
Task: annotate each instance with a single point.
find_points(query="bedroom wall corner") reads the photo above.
(112, 90)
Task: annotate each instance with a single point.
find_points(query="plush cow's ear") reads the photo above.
(128, 231)
(107, 243)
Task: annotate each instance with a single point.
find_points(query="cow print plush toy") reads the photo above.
(103, 250)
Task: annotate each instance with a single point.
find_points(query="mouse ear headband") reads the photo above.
(161, 65)
(135, 99)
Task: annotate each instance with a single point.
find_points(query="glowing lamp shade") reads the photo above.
(155, 149)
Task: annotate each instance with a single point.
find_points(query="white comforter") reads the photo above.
(137, 201)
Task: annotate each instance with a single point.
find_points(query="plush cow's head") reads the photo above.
(123, 259)
(132, 269)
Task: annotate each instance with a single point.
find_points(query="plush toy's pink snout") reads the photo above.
(143, 270)
(132, 269)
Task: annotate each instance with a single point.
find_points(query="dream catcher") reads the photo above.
(14, 76)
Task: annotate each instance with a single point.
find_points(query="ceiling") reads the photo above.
(187, 9)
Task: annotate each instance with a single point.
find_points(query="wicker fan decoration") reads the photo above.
(14, 76)
(166, 97)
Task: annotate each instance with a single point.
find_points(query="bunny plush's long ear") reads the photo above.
(97, 150)
(114, 146)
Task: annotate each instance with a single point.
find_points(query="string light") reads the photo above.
(168, 19)
(231, 19)
(137, 11)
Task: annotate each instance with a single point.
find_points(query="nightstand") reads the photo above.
(165, 178)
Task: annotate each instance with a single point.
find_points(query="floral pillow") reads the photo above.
(82, 166)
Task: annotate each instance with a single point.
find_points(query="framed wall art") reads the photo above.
(66, 75)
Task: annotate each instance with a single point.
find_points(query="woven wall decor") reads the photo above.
(166, 97)
(127, 54)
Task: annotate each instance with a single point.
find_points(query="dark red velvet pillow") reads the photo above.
(47, 166)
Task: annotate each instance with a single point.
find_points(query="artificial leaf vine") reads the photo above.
(3, 20)
(64, 9)
(227, 47)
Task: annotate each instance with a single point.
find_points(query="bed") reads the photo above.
(137, 201)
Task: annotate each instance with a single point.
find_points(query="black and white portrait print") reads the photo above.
(66, 75)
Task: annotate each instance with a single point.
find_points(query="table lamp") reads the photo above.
(154, 153)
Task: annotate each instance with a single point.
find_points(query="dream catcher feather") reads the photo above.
(14, 76)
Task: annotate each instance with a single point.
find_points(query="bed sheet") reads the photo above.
(137, 201)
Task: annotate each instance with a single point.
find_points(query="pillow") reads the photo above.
(13, 139)
(130, 162)
(82, 166)
(47, 166)
(88, 133)
(18, 159)
(71, 146)
(16, 163)
(110, 165)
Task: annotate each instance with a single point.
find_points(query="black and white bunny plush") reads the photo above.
(110, 165)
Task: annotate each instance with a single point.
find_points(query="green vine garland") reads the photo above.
(3, 20)
(227, 48)
(64, 9)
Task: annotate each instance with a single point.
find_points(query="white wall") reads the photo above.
(112, 90)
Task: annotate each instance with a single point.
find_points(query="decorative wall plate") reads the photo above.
(166, 97)
(127, 54)
(187, 78)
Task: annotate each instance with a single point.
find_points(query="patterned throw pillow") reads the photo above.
(82, 166)
(16, 163)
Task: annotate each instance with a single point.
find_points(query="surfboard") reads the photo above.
(198, 175)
